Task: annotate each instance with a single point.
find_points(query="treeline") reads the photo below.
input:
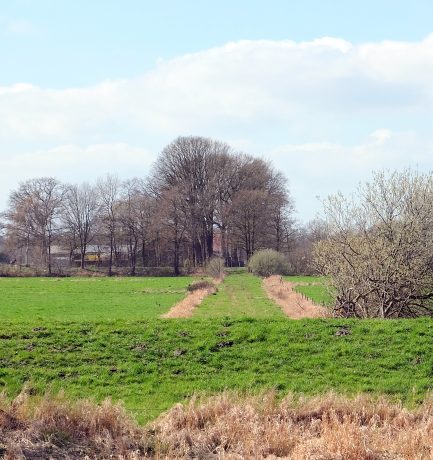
(200, 199)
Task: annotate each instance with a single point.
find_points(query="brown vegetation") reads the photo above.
(197, 292)
(378, 250)
(57, 428)
(201, 199)
(293, 304)
(325, 427)
(223, 427)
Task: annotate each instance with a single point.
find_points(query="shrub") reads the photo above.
(202, 284)
(215, 267)
(267, 262)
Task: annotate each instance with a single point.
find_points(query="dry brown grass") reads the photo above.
(292, 303)
(322, 428)
(197, 293)
(54, 428)
(223, 427)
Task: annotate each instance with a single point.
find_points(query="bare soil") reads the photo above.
(293, 304)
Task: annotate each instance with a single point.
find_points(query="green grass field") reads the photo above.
(153, 364)
(100, 337)
(88, 299)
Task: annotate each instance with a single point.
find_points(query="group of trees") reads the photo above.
(199, 194)
(202, 199)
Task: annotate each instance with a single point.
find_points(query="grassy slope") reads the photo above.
(240, 295)
(88, 299)
(152, 364)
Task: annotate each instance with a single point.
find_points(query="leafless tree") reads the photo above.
(33, 214)
(109, 195)
(192, 165)
(80, 211)
(379, 249)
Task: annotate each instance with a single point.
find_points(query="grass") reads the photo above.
(153, 364)
(88, 299)
(312, 287)
(239, 295)
(101, 337)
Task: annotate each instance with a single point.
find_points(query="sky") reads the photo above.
(327, 91)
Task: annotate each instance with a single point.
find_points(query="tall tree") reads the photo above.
(34, 211)
(191, 164)
(109, 194)
(80, 211)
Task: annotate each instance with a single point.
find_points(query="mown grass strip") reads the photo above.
(239, 295)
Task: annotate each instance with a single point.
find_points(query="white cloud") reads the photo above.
(320, 169)
(237, 84)
(318, 100)
(73, 163)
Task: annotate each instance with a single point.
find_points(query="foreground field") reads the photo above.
(153, 364)
(88, 299)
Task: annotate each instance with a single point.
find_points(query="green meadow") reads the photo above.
(101, 338)
(88, 299)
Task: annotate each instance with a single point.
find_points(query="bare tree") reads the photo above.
(135, 212)
(109, 194)
(80, 211)
(33, 214)
(379, 249)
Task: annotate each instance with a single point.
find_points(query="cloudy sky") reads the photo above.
(328, 93)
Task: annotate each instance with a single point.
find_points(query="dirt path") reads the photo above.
(185, 308)
(293, 304)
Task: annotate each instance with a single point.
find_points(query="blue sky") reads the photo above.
(328, 91)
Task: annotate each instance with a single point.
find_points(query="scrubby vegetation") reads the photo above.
(267, 262)
(378, 248)
(325, 427)
(215, 267)
(228, 426)
(54, 427)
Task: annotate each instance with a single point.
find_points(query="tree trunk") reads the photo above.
(110, 263)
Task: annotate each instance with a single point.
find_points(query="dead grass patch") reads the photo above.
(292, 303)
(227, 426)
(54, 428)
(197, 292)
(322, 428)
